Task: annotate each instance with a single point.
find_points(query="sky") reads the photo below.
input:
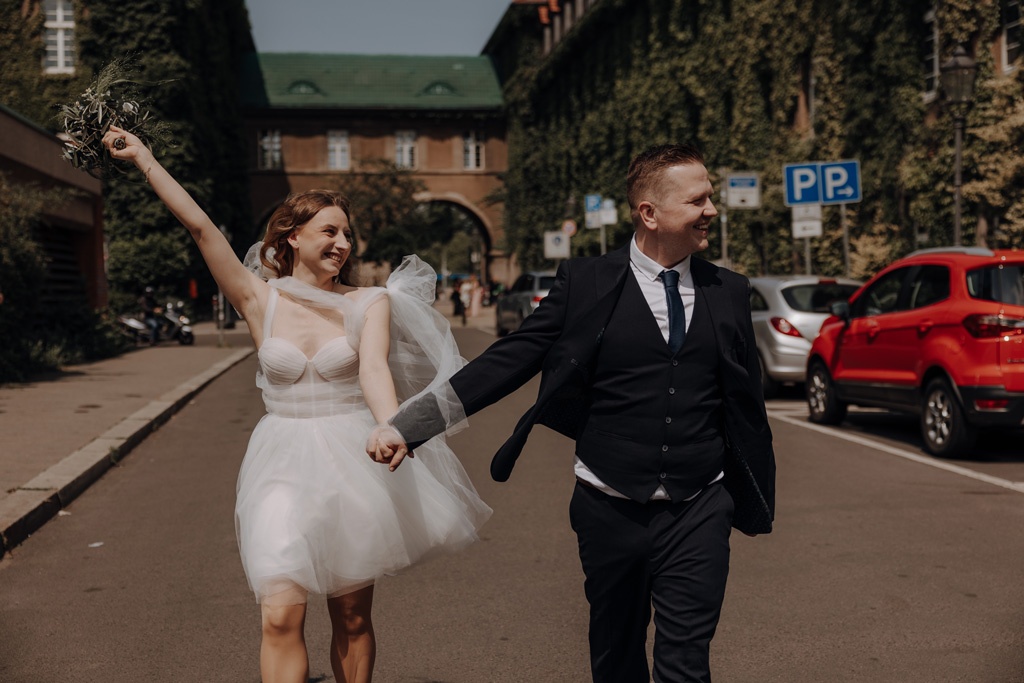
(423, 27)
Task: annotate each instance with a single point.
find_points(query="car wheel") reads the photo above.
(944, 427)
(825, 407)
(769, 387)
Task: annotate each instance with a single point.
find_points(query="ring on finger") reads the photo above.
(119, 143)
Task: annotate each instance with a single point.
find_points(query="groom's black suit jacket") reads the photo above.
(561, 341)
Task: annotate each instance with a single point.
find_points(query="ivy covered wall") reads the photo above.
(759, 84)
(196, 45)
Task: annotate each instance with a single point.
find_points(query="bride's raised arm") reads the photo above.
(239, 285)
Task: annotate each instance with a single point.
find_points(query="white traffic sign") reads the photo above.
(743, 190)
(609, 216)
(828, 182)
(807, 221)
(556, 244)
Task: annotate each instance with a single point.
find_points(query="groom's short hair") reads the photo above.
(646, 168)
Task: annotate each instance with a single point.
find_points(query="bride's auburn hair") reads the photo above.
(295, 211)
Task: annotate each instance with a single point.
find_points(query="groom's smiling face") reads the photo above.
(683, 209)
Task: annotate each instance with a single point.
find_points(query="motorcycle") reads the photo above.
(175, 325)
(172, 324)
(134, 329)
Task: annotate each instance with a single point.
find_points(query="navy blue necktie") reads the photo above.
(676, 312)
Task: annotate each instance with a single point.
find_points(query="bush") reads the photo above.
(37, 337)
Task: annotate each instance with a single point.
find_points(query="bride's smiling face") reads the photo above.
(323, 244)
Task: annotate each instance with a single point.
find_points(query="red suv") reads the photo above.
(939, 333)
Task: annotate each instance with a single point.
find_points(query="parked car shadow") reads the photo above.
(993, 445)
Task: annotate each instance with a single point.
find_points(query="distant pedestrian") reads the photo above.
(476, 296)
(313, 514)
(458, 302)
(150, 311)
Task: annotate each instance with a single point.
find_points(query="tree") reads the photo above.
(386, 216)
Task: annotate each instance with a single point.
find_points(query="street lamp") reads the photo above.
(957, 78)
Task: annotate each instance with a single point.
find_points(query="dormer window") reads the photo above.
(303, 88)
(439, 88)
(59, 33)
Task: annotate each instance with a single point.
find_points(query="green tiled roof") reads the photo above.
(303, 80)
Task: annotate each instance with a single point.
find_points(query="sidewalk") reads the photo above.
(61, 432)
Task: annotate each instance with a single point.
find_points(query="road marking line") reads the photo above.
(899, 452)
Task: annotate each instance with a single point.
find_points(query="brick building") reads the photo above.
(72, 233)
(311, 118)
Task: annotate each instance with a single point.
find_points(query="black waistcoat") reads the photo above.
(654, 418)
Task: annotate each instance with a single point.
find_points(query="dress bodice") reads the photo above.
(283, 363)
(297, 386)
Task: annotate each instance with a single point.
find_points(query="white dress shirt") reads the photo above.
(648, 275)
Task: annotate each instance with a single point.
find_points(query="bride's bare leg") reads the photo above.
(283, 656)
(353, 646)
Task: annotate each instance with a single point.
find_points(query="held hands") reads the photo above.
(123, 145)
(386, 445)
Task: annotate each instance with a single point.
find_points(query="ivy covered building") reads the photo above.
(759, 84)
(187, 56)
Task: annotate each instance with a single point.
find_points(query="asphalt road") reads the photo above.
(882, 567)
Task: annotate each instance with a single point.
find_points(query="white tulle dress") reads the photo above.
(314, 514)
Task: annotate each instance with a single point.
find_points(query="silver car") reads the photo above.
(787, 312)
(521, 300)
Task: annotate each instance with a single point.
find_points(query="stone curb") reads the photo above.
(36, 502)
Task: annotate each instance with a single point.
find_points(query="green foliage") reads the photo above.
(37, 335)
(385, 215)
(730, 76)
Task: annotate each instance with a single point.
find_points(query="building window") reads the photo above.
(269, 156)
(338, 158)
(930, 55)
(59, 33)
(473, 150)
(405, 149)
(1011, 33)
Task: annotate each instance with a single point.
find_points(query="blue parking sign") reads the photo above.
(830, 182)
(592, 202)
(801, 184)
(840, 182)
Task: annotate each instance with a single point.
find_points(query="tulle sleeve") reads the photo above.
(423, 355)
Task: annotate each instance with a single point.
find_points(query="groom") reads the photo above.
(647, 360)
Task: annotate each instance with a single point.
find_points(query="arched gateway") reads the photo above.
(313, 118)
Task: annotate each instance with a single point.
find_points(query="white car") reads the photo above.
(787, 312)
(521, 300)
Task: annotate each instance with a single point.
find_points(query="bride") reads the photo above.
(313, 514)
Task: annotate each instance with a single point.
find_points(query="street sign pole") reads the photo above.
(807, 256)
(846, 240)
(725, 228)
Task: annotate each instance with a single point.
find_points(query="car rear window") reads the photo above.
(816, 298)
(1004, 283)
(546, 282)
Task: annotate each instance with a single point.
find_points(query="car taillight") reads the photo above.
(991, 403)
(785, 327)
(992, 326)
(537, 299)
